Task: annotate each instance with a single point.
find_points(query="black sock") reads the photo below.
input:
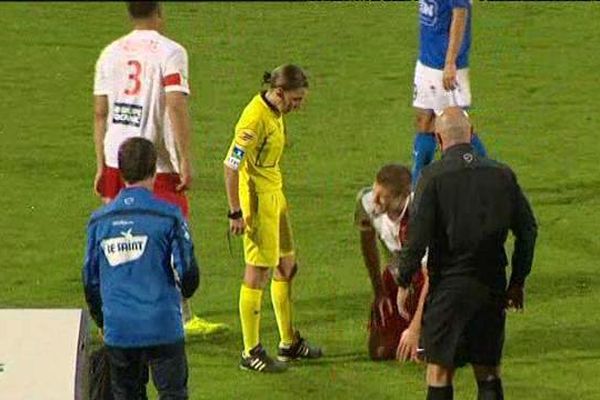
(490, 390)
(440, 393)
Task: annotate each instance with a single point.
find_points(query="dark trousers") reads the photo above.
(168, 366)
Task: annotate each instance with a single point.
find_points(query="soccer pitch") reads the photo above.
(534, 73)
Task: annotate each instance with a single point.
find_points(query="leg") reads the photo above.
(281, 285)
(125, 372)
(255, 279)
(186, 306)
(169, 371)
(254, 357)
(486, 334)
(425, 144)
(478, 145)
(281, 296)
(439, 382)
(489, 383)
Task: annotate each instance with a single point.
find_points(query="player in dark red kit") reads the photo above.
(382, 212)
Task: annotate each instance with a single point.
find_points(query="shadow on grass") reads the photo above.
(563, 285)
(555, 343)
(564, 194)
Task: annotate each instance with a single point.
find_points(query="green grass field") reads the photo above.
(534, 83)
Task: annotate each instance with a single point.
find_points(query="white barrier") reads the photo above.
(42, 354)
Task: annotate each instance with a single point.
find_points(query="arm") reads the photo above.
(232, 177)
(368, 246)
(409, 340)
(177, 109)
(421, 228)
(91, 278)
(457, 32)
(184, 259)
(175, 82)
(244, 139)
(100, 115)
(417, 320)
(524, 227)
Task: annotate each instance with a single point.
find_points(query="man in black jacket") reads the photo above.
(464, 207)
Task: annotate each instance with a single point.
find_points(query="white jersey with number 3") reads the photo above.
(135, 72)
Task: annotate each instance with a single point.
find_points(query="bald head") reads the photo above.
(453, 126)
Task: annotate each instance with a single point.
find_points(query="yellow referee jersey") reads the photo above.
(257, 146)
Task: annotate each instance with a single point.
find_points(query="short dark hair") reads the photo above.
(137, 159)
(395, 177)
(287, 77)
(142, 9)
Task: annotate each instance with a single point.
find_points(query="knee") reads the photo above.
(484, 373)
(286, 272)
(438, 375)
(424, 121)
(256, 277)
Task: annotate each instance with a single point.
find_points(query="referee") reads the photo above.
(258, 209)
(463, 209)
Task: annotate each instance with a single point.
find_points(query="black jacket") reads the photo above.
(463, 208)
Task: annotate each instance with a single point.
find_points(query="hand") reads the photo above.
(237, 226)
(449, 77)
(407, 346)
(185, 176)
(383, 303)
(97, 179)
(515, 297)
(401, 302)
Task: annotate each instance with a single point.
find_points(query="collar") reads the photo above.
(406, 203)
(272, 107)
(145, 32)
(135, 190)
(404, 210)
(458, 150)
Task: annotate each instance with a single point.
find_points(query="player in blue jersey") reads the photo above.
(442, 72)
(139, 264)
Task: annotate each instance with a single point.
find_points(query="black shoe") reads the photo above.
(300, 349)
(259, 361)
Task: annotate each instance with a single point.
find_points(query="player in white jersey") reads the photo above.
(382, 212)
(141, 90)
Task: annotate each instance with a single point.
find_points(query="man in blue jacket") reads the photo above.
(139, 263)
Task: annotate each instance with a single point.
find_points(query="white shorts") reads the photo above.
(429, 93)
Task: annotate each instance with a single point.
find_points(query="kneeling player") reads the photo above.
(382, 212)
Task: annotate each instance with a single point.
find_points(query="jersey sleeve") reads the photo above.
(361, 217)
(101, 77)
(175, 75)
(246, 137)
(183, 259)
(90, 275)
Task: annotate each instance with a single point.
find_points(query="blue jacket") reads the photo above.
(139, 261)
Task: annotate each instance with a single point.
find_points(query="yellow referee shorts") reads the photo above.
(268, 235)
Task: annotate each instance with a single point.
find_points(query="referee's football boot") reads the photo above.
(300, 349)
(259, 361)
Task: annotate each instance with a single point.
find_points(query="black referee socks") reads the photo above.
(440, 393)
(490, 390)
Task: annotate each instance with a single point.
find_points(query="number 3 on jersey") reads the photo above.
(136, 69)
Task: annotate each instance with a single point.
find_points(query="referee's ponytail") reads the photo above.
(287, 77)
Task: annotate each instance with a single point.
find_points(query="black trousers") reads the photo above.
(168, 366)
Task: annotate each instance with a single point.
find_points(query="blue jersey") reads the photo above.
(139, 262)
(435, 18)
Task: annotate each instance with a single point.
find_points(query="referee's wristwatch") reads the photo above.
(234, 214)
